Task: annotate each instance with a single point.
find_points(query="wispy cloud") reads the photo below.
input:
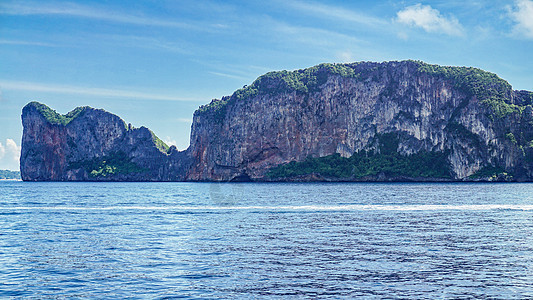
(336, 13)
(242, 71)
(9, 155)
(83, 11)
(429, 19)
(345, 56)
(313, 36)
(228, 75)
(522, 14)
(110, 40)
(137, 41)
(25, 43)
(80, 90)
(184, 120)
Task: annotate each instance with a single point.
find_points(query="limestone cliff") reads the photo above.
(472, 117)
(92, 144)
(363, 121)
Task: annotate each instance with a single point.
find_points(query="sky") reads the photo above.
(153, 63)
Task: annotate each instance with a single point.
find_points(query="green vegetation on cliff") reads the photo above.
(277, 82)
(364, 164)
(55, 118)
(486, 86)
(475, 82)
(491, 173)
(162, 146)
(524, 97)
(115, 163)
(300, 81)
(7, 174)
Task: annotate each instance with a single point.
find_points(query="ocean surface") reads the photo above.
(263, 241)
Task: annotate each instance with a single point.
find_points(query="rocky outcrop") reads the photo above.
(92, 144)
(360, 121)
(472, 116)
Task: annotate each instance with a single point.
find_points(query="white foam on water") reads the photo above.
(286, 208)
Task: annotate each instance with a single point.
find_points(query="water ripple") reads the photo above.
(198, 241)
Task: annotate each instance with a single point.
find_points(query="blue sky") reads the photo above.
(154, 62)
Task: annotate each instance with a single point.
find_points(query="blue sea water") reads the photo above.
(250, 240)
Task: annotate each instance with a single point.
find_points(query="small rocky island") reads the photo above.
(366, 121)
(9, 175)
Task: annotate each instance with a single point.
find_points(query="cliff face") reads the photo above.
(385, 121)
(471, 116)
(91, 144)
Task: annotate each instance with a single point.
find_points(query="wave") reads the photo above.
(355, 207)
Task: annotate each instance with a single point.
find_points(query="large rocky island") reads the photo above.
(391, 121)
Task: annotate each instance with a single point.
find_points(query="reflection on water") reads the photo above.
(226, 194)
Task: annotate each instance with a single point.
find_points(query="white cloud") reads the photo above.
(9, 155)
(2, 151)
(429, 19)
(169, 141)
(79, 90)
(13, 149)
(345, 57)
(522, 14)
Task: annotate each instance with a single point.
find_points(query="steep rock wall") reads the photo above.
(240, 137)
(92, 144)
(379, 118)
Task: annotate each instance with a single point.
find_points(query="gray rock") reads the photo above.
(471, 115)
(55, 148)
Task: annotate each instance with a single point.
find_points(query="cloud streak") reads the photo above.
(138, 41)
(313, 36)
(429, 19)
(87, 91)
(522, 14)
(336, 13)
(25, 43)
(82, 11)
(227, 75)
(184, 120)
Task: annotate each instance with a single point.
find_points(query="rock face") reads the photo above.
(399, 111)
(91, 144)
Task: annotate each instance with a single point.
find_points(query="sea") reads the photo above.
(64, 240)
